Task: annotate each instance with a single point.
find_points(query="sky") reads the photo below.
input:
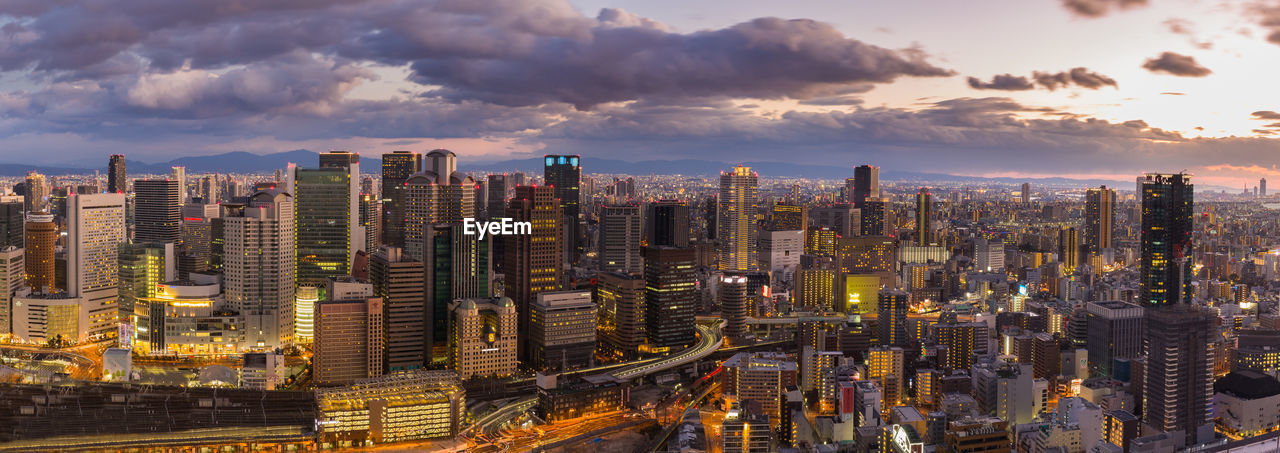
(1071, 88)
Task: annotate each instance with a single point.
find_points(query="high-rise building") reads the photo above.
(1114, 332)
(397, 167)
(962, 341)
(762, 377)
(734, 302)
(622, 309)
(117, 179)
(496, 204)
(12, 278)
(1069, 248)
(179, 174)
(850, 187)
(41, 239)
(143, 267)
(866, 180)
(398, 281)
(533, 262)
(670, 290)
(1165, 266)
(893, 308)
(95, 229)
(887, 365)
(564, 175)
(924, 217)
(667, 223)
(736, 220)
(790, 216)
(157, 213)
(780, 252)
(259, 266)
(874, 217)
(457, 266)
(1262, 187)
(484, 338)
(11, 220)
(348, 340)
(37, 191)
(371, 221)
(620, 239)
(1178, 389)
(1099, 218)
(327, 215)
(562, 330)
(988, 255)
(1026, 193)
(195, 253)
(437, 194)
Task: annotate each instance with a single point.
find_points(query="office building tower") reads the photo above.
(667, 223)
(327, 214)
(710, 209)
(924, 217)
(143, 267)
(371, 221)
(1099, 218)
(398, 281)
(458, 267)
(670, 291)
(1026, 193)
(844, 219)
(988, 255)
(790, 216)
(564, 175)
(762, 377)
(562, 330)
(259, 265)
(95, 229)
(304, 311)
(893, 307)
(1114, 332)
(11, 221)
(117, 179)
(815, 289)
(348, 340)
(746, 430)
(620, 298)
(484, 338)
(780, 252)
(847, 192)
(620, 239)
(13, 275)
(496, 205)
(734, 301)
(195, 251)
(37, 191)
(736, 220)
(533, 262)
(157, 211)
(41, 239)
(1165, 266)
(1178, 389)
(962, 340)
(886, 365)
(874, 217)
(178, 174)
(866, 180)
(1262, 187)
(1069, 248)
(397, 167)
(437, 194)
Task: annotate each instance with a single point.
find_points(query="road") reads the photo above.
(521, 440)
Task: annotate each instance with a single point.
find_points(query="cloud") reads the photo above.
(1265, 115)
(1184, 27)
(1176, 64)
(1099, 8)
(1268, 16)
(1081, 77)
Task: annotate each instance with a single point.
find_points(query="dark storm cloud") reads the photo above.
(1081, 77)
(1099, 8)
(1176, 64)
(510, 52)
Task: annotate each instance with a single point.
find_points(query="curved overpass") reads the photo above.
(709, 340)
(490, 423)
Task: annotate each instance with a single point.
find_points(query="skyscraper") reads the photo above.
(157, 216)
(117, 181)
(736, 220)
(562, 330)
(1114, 332)
(95, 229)
(1026, 193)
(874, 217)
(41, 239)
(620, 298)
(1099, 218)
(496, 204)
(866, 180)
(12, 278)
(733, 304)
(397, 167)
(457, 266)
(259, 266)
(1262, 187)
(667, 223)
(1069, 248)
(564, 174)
(893, 317)
(348, 344)
(397, 280)
(143, 267)
(790, 217)
(533, 262)
(437, 194)
(11, 220)
(327, 215)
(1178, 391)
(1165, 266)
(37, 192)
(620, 239)
(670, 290)
(179, 174)
(924, 217)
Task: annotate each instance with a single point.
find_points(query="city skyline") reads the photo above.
(893, 84)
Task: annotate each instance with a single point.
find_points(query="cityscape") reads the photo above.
(571, 226)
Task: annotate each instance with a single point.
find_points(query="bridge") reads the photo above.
(709, 340)
(785, 320)
(490, 423)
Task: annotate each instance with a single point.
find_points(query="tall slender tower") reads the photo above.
(157, 212)
(564, 175)
(37, 192)
(1167, 224)
(866, 180)
(670, 282)
(1069, 248)
(117, 181)
(397, 167)
(11, 220)
(95, 229)
(736, 220)
(398, 281)
(534, 262)
(620, 239)
(41, 239)
(667, 223)
(496, 205)
(924, 217)
(259, 266)
(179, 174)
(1099, 218)
(437, 194)
(326, 205)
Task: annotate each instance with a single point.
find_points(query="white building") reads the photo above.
(259, 267)
(988, 256)
(12, 280)
(95, 229)
(780, 252)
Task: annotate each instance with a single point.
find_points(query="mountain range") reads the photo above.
(245, 162)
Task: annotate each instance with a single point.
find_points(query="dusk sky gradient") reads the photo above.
(1075, 88)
